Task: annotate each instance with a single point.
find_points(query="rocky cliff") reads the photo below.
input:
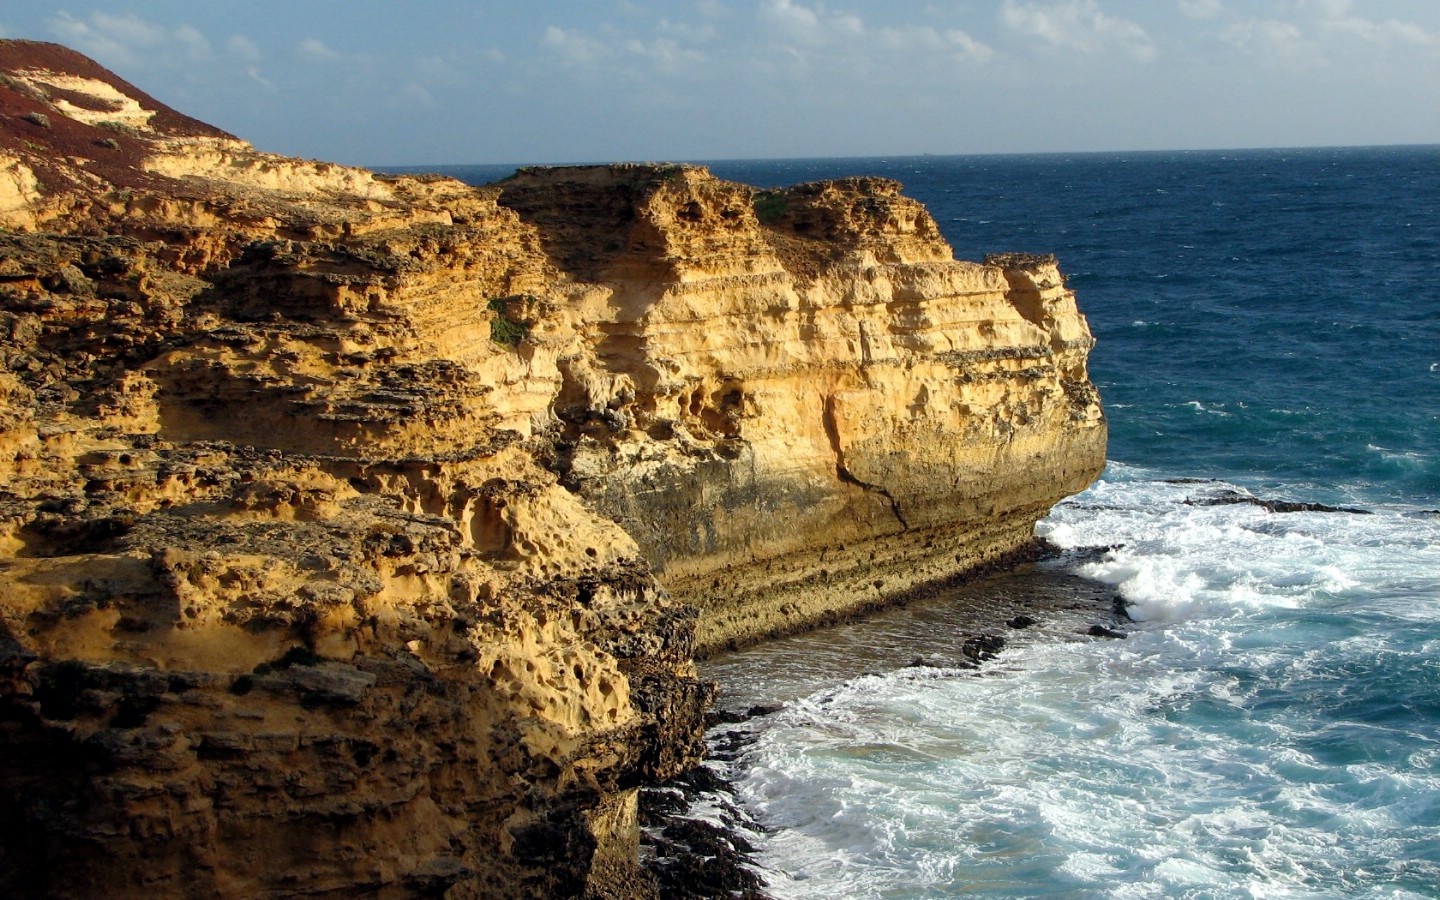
(357, 532)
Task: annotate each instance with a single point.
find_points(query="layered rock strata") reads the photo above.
(798, 402)
(358, 532)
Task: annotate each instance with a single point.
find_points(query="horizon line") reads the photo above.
(896, 156)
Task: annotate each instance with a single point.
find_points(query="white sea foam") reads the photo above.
(1239, 744)
(1198, 406)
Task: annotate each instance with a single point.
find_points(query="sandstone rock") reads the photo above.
(358, 532)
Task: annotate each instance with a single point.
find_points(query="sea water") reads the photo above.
(1268, 327)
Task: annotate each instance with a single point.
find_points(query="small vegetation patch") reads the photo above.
(120, 128)
(770, 206)
(38, 118)
(506, 327)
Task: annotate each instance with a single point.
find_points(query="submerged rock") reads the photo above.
(982, 648)
(1102, 631)
(1275, 506)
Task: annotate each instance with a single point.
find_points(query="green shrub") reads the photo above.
(770, 206)
(504, 327)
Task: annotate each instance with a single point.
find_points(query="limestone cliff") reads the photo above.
(357, 532)
(798, 402)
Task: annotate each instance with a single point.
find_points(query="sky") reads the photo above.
(444, 82)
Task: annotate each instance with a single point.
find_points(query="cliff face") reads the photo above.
(799, 403)
(335, 508)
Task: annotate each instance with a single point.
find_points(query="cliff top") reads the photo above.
(75, 137)
(64, 114)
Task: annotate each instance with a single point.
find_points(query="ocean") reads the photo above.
(1268, 327)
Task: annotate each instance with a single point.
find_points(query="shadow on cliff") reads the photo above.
(583, 216)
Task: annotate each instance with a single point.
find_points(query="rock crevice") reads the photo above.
(848, 477)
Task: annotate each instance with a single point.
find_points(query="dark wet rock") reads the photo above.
(691, 858)
(1101, 631)
(1121, 609)
(659, 805)
(700, 779)
(921, 662)
(684, 873)
(730, 745)
(1274, 506)
(699, 833)
(1021, 622)
(983, 648)
(715, 717)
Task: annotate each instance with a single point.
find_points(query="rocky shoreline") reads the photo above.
(360, 533)
(701, 841)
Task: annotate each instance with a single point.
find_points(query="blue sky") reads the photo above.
(445, 82)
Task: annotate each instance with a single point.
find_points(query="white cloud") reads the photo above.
(195, 44)
(805, 25)
(791, 16)
(1201, 9)
(1326, 33)
(802, 29)
(1336, 17)
(414, 94)
(435, 69)
(788, 39)
(253, 73)
(916, 39)
(576, 47)
(242, 47)
(1271, 38)
(968, 47)
(1078, 25)
(1390, 31)
(130, 41)
(1331, 8)
(664, 53)
(699, 34)
(315, 50)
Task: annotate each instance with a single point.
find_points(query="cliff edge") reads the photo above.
(358, 532)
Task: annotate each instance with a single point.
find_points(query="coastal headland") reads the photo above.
(358, 532)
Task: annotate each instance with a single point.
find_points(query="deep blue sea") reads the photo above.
(1268, 326)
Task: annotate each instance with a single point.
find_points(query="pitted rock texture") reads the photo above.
(357, 532)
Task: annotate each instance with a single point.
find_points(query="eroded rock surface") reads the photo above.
(358, 532)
